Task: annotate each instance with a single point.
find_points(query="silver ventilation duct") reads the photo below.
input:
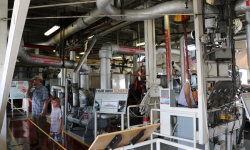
(241, 7)
(79, 24)
(157, 11)
(170, 7)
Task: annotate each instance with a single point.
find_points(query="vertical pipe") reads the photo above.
(103, 73)
(202, 106)
(168, 51)
(150, 52)
(84, 80)
(108, 73)
(248, 40)
(66, 102)
(183, 72)
(63, 76)
(72, 55)
(37, 51)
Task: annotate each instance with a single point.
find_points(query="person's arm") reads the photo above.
(187, 95)
(59, 126)
(28, 90)
(44, 108)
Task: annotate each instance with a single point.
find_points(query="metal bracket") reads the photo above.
(137, 137)
(114, 142)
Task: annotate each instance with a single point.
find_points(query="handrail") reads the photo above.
(178, 113)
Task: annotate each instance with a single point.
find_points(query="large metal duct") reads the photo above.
(41, 60)
(170, 7)
(79, 24)
(241, 7)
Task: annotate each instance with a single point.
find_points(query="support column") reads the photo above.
(248, 40)
(202, 106)
(19, 14)
(3, 43)
(150, 52)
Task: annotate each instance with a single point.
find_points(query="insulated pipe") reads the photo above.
(103, 73)
(170, 7)
(173, 7)
(84, 80)
(105, 54)
(241, 7)
(240, 37)
(54, 87)
(77, 69)
(79, 24)
(41, 60)
(63, 76)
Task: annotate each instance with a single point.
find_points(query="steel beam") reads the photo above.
(14, 39)
(3, 43)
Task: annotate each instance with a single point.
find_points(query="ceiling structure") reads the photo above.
(43, 14)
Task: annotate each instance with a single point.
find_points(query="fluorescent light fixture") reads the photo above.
(81, 53)
(140, 44)
(54, 50)
(53, 29)
(77, 57)
(90, 37)
(191, 47)
(117, 57)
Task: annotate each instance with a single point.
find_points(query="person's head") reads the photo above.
(37, 80)
(55, 102)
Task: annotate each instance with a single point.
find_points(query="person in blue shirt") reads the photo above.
(39, 96)
(186, 98)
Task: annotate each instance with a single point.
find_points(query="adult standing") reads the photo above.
(186, 98)
(39, 97)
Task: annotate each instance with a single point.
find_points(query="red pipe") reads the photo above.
(168, 67)
(43, 47)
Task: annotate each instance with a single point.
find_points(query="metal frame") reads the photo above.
(158, 145)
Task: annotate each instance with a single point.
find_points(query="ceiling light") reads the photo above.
(90, 37)
(81, 53)
(140, 44)
(54, 50)
(117, 57)
(53, 29)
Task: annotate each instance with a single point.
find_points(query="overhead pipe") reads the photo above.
(42, 60)
(241, 6)
(79, 24)
(170, 7)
